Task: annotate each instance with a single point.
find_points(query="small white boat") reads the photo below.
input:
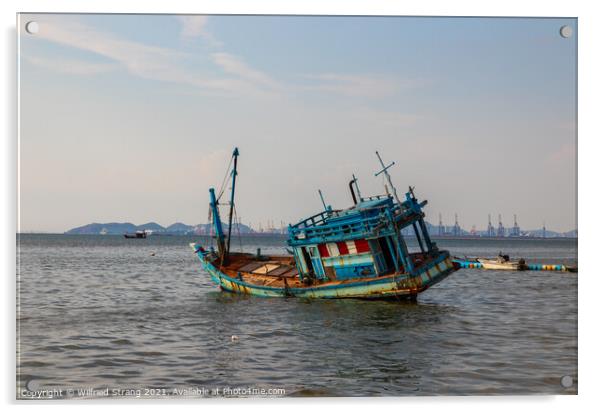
(501, 262)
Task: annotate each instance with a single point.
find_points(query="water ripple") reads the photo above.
(101, 311)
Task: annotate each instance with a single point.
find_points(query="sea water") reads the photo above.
(104, 316)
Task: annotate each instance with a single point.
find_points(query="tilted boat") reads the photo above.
(358, 252)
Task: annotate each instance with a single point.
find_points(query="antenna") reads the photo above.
(386, 172)
(322, 198)
(359, 195)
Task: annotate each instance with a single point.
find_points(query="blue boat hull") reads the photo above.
(384, 287)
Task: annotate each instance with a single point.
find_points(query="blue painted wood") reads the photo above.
(394, 285)
(217, 222)
(354, 271)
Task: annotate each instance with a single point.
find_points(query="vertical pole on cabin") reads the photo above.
(234, 173)
(357, 187)
(426, 235)
(217, 223)
(322, 198)
(418, 238)
(393, 253)
(352, 192)
(402, 248)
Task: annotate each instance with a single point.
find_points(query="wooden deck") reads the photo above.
(275, 270)
(280, 270)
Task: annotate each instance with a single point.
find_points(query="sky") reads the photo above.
(131, 118)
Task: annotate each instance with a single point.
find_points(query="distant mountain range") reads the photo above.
(119, 228)
(113, 228)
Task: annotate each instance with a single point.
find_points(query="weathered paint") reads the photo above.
(391, 286)
(355, 252)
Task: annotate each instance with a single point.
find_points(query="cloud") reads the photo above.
(196, 26)
(153, 62)
(168, 65)
(193, 26)
(235, 66)
(139, 59)
(71, 66)
(358, 85)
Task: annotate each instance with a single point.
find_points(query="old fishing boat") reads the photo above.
(357, 252)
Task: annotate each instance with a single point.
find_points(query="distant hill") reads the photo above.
(119, 228)
(108, 228)
(151, 226)
(179, 227)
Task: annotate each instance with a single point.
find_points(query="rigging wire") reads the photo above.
(237, 220)
(220, 193)
(210, 227)
(223, 185)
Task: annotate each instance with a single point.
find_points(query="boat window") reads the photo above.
(384, 247)
(305, 260)
(313, 252)
(351, 247)
(333, 250)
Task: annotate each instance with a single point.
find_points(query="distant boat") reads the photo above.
(137, 234)
(502, 262)
(357, 252)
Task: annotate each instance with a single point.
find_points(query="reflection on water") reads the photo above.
(108, 312)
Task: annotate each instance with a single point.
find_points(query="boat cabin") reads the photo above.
(362, 241)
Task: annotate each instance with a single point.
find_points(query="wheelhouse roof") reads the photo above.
(338, 216)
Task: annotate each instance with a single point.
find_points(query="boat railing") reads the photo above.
(374, 197)
(359, 227)
(314, 220)
(336, 231)
(321, 217)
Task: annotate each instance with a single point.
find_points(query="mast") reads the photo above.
(234, 173)
(217, 223)
(386, 172)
